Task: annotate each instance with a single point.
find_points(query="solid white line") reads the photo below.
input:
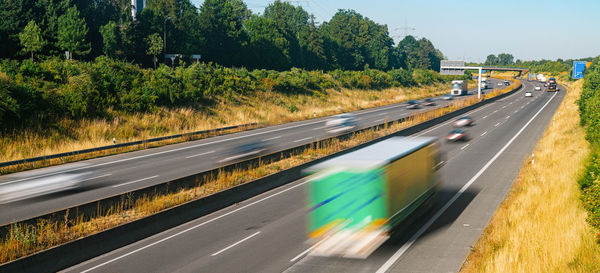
(303, 139)
(388, 264)
(463, 147)
(497, 124)
(382, 119)
(135, 181)
(192, 228)
(301, 254)
(210, 152)
(508, 116)
(503, 106)
(239, 242)
(484, 133)
(485, 116)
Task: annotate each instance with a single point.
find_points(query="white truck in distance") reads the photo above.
(459, 88)
(483, 83)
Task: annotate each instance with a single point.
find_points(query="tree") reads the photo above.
(155, 46)
(110, 39)
(72, 31)
(31, 38)
(222, 30)
(491, 60)
(505, 59)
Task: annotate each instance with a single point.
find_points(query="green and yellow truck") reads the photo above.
(357, 199)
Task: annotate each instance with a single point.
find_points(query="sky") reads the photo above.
(470, 30)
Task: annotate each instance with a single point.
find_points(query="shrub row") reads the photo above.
(589, 108)
(40, 93)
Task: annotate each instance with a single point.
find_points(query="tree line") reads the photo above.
(224, 32)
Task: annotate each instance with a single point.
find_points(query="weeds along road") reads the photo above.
(118, 174)
(267, 233)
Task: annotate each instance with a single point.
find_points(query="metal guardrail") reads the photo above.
(120, 145)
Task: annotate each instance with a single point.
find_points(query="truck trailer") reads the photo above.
(356, 200)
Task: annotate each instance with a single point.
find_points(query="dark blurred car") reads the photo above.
(341, 123)
(448, 97)
(428, 102)
(245, 151)
(463, 122)
(412, 104)
(457, 135)
(506, 82)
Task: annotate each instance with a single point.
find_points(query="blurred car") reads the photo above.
(457, 135)
(506, 82)
(546, 84)
(341, 123)
(245, 151)
(12, 192)
(448, 97)
(463, 122)
(500, 84)
(412, 104)
(528, 94)
(428, 102)
(538, 88)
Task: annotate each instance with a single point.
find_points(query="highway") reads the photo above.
(267, 233)
(112, 175)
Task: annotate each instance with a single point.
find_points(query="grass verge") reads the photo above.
(541, 226)
(25, 239)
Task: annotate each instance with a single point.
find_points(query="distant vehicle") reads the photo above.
(459, 88)
(457, 135)
(545, 84)
(483, 83)
(412, 104)
(341, 123)
(537, 88)
(245, 151)
(506, 82)
(41, 186)
(356, 200)
(552, 80)
(500, 84)
(528, 94)
(428, 102)
(447, 97)
(551, 88)
(463, 122)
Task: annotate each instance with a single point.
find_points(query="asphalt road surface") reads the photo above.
(118, 174)
(267, 233)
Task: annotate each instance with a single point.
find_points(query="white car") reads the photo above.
(528, 94)
(538, 88)
(341, 123)
(500, 84)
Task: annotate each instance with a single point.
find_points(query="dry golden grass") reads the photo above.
(541, 226)
(266, 108)
(25, 239)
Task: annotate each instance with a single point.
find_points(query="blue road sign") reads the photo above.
(578, 68)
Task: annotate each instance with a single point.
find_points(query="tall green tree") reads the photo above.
(491, 60)
(110, 39)
(31, 38)
(72, 31)
(270, 47)
(505, 59)
(155, 46)
(223, 36)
